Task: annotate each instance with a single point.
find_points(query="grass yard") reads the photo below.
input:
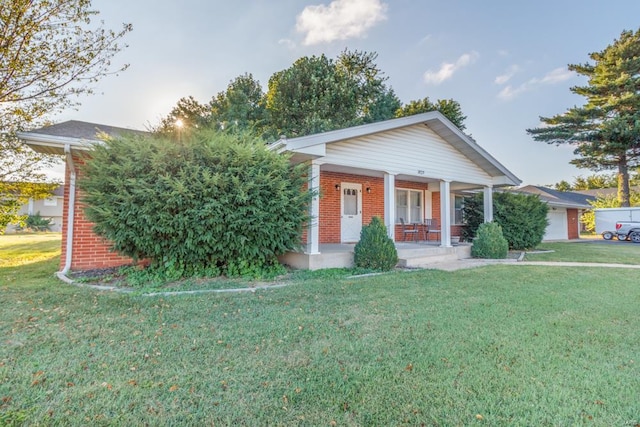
(498, 345)
(589, 251)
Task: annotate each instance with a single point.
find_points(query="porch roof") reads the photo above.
(315, 146)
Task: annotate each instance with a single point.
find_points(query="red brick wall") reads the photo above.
(89, 251)
(573, 217)
(372, 203)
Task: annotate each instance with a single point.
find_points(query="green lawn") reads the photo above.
(589, 251)
(498, 345)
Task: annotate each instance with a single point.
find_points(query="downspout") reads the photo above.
(62, 275)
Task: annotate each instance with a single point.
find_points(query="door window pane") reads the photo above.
(350, 201)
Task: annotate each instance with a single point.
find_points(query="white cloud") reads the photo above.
(511, 71)
(340, 20)
(287, 43)
(557, 75)
(448, 69)
(425, 39)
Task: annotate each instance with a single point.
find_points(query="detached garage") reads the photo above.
(565, 209)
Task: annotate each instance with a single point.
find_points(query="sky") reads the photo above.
(504, 61)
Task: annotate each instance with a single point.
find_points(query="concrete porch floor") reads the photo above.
(419, 254)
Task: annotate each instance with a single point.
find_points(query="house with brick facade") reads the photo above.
(81, 248)
(411, 168)
(414, 168)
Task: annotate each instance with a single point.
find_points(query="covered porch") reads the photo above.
(410, 255)
(406, 170)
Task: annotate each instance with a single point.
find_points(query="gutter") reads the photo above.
(62, 274)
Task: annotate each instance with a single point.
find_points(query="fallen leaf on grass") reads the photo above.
(409, 367)
(173, 388)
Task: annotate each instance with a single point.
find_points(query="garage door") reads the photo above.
(557, 228)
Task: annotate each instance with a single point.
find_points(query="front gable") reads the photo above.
(425, 147)
(414, 151)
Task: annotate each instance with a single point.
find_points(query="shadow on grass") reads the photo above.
(30, 274)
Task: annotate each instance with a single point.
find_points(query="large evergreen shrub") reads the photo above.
(523, 217)
(209, 202)
(489, 242)
(375, 250)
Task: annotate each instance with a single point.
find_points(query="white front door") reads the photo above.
(351, 212)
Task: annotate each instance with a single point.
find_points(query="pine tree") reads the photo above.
(606, 130)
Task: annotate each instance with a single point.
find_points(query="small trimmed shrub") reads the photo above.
(489, 242)
(375, 250)
(37, 223)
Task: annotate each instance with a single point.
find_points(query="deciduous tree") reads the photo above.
(448, 107)
(318, 94)
(240, 108)
(16, 194)
(51, 51)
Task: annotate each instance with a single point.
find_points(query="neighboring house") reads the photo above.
(50, 208)
(606, 192)
(413, 168)
(565, 210)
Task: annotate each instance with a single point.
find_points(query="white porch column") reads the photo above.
(313, 231)
(445, 213)
(488, 203)
(390, 205)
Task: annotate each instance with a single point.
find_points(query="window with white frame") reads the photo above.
(409, 205)
(458, 206)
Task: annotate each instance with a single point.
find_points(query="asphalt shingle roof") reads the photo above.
(83, 130)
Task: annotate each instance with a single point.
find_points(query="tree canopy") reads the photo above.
(51, 51)
(318, 94)
(239, 108)
(315, 94)
(448, 107)
(15, 195)
(605, 131)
